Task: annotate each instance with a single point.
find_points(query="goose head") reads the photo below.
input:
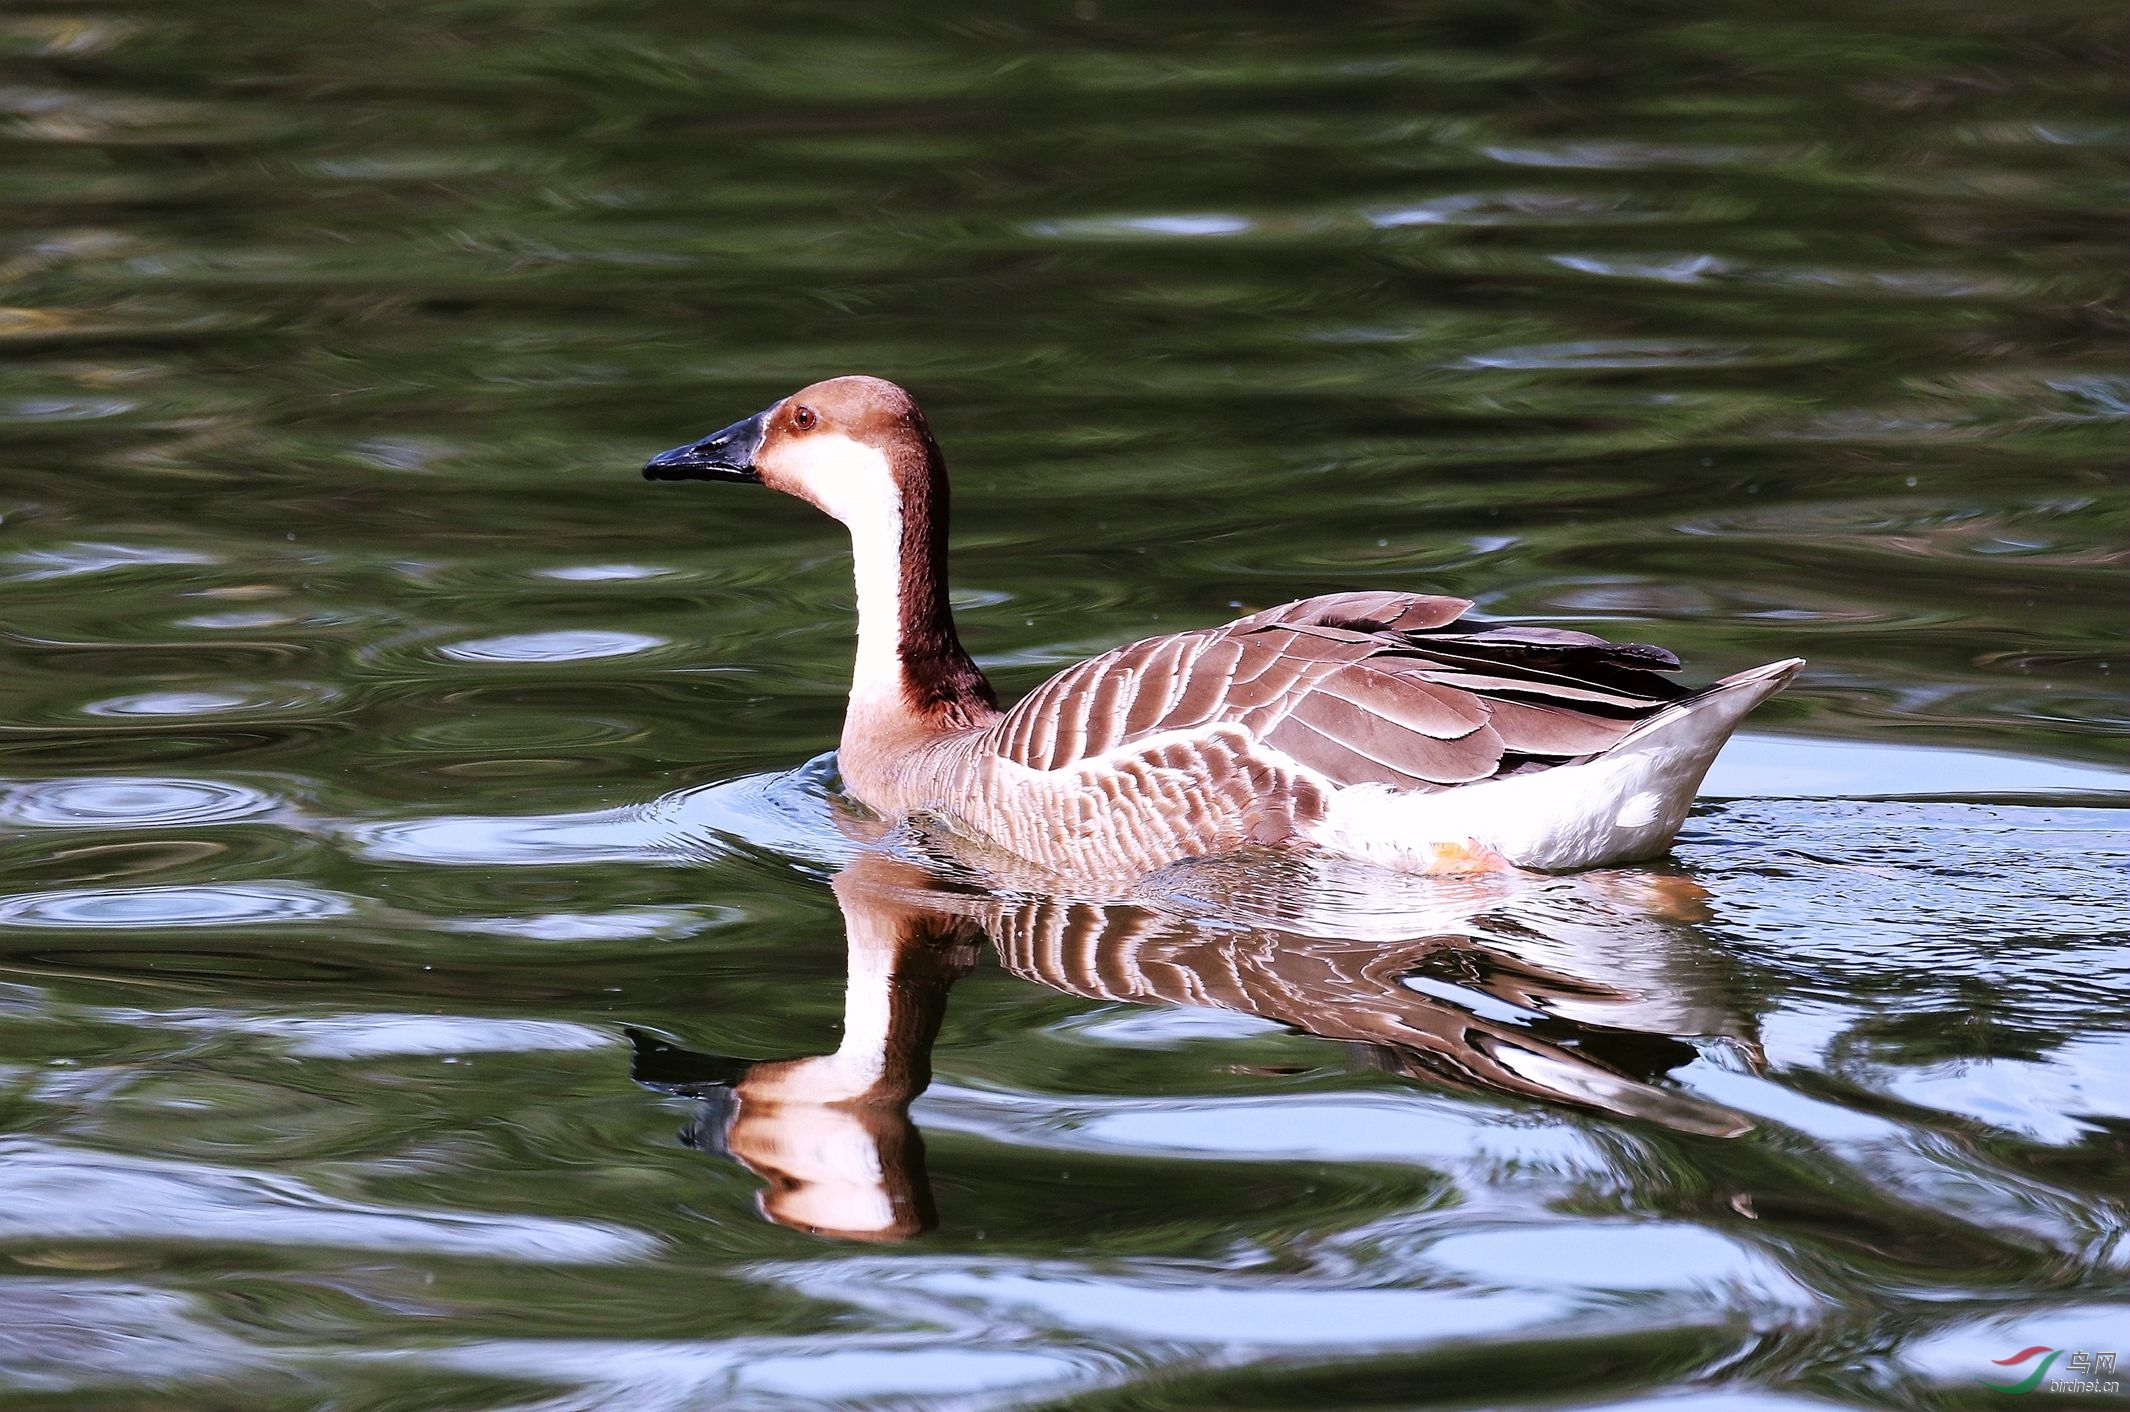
(855, 447)
(858, 448)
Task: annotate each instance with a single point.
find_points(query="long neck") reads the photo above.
(911, 668)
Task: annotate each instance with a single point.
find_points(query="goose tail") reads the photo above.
(1621, 805)
(1703, 721)
(1637, 793)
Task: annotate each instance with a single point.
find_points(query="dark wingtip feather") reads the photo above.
(1568, 647)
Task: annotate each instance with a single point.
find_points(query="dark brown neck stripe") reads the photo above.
(938, 677)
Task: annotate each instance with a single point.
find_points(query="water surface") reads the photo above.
(434, 969)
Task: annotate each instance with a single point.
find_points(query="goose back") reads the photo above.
(1360, 688)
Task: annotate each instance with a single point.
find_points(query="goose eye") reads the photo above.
(803, 418)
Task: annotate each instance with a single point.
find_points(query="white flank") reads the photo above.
(1618, 807)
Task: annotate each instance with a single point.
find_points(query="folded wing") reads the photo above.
(1371, 687)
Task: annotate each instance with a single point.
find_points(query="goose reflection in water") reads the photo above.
(1485, 983)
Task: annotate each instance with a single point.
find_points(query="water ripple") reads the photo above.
(1622, 1257)
(222, 701)
(1219, 1309)
(634, 924)
(2063, 1099)
(129, 802)
(578, 645)
(1620, 353)
(67, 1334)
(603, 573)
(74, 560)
(379, 1036)
(856, 1367)
(1410, 1130)
(194, 905)
(787, 813)
(50, 1191)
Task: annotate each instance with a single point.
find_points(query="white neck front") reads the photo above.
(912, 680)
(855, 483)
(876, 564)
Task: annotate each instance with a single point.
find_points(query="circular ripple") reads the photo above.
(567, 646)
(522, 732)
(207, 703)
(117, 802)
(132, 908)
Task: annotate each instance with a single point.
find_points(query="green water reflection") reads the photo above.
(378, 756)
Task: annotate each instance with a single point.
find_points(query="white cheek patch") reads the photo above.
(846, 478)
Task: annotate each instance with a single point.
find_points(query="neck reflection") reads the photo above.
(1584, 991)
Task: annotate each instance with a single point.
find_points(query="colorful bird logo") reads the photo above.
(2033, 1379)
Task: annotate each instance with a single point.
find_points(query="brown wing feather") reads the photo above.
(1407, 699)
(1278, 666)
(1528, 728)
(1371, 687)
(1161, 683)
(1353, 745)
(1379, 611)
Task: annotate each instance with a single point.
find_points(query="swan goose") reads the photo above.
(1376, 725)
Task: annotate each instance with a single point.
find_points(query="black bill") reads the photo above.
(722, 455)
